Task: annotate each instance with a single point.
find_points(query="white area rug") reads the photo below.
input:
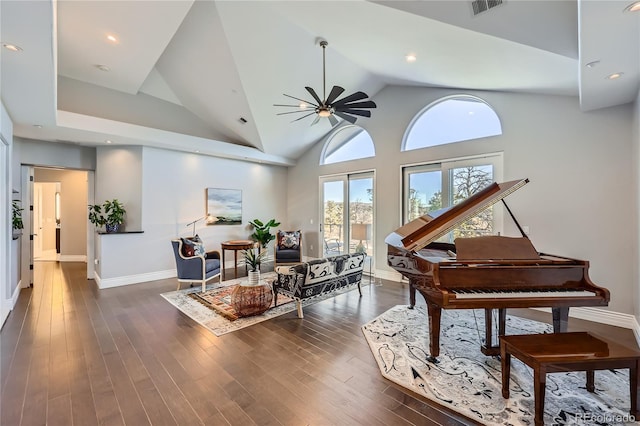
(469, 382)
(220, 325)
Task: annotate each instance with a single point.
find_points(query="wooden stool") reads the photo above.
(558, 352)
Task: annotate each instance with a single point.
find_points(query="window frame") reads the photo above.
(335, 133)
(495, 159)
(423, 111)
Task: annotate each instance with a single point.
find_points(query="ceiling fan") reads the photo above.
(345, 108)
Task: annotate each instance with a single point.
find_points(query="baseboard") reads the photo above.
(387, 275)
(133, 279)
(72, 258)
(8, 304)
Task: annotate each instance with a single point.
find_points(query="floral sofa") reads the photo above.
(317, 277)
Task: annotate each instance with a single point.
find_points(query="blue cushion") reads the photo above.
(211, 265)
(287, 254)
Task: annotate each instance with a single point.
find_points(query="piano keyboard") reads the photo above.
(517, 294)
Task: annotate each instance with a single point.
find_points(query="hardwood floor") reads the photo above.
(71, 354)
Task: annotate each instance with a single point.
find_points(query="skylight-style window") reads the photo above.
(347, 143)
(451, 119)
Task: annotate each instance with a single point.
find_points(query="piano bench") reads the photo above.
(561, 352)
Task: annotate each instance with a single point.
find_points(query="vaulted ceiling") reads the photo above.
(204, 75)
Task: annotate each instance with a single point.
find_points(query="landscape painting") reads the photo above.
(224, 206)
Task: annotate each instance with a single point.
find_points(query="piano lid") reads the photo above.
(421, 231)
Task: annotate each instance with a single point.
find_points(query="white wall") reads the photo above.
(173, 194)
(580, 166)
(636, 229)
(54, 154)
(9, 256)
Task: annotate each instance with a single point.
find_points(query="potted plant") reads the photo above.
(253, 259)
(16, 219)
(261, 231)
(110, 214)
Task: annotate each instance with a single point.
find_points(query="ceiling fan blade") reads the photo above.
(344, 116)
(314, 94)
(295, 112)
(333, 120)
(360, 112)
(304, 116)
(315, 120)
(294, 106)
(333, 95)
(365, 104)
(353, 97)
(301, 100)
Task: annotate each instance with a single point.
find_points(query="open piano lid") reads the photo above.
(421, 231)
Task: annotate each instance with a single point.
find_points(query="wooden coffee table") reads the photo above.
(558, 352)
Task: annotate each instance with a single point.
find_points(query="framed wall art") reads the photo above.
(224, 206)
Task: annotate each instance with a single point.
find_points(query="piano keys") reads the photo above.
(487, 272)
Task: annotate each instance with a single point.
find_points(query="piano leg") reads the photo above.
(434, 311)
(560, 319)
(489, 348)
(412, 296)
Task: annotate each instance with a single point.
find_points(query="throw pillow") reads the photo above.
(289, 240)
(192, 246)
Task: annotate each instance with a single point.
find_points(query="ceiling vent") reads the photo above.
(480, 6)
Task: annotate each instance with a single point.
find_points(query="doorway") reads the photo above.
(347, 214)
(46, 221)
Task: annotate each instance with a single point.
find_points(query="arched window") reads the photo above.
(451, 119)
(349, 142)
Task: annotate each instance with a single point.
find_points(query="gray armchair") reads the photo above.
(195, 269)
(288, 248)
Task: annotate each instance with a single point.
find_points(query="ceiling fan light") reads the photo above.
(324, 113)
(633, 7)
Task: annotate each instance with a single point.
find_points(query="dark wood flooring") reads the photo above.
(71, 354)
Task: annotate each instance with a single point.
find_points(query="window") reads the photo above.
(431, 187)
(451, 119)
(347, 143)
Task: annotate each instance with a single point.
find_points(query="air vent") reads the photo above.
(480, 6)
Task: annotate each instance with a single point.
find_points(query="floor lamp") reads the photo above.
(208, 217)
(359, 232)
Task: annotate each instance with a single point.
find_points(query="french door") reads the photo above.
(347, 214)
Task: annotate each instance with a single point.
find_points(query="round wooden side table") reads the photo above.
(249, 300)
(235, 245)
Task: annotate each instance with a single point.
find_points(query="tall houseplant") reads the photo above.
(110, 214)
(262, 231)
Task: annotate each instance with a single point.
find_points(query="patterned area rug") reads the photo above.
(217, 323)
(219, 299)
(469, 382)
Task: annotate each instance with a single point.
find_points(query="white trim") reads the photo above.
(601, 316)
(8, 304)
(133, 279)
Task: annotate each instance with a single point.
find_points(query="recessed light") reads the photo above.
(103, 67)
(633, 7)
(592, 64)
(108, 141)
(12, 47)
(112, 38)
(615, 75)
(411, 58)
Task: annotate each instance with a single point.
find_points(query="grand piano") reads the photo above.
(487, 272)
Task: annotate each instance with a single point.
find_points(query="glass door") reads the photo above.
(332, 229)
(347, 214)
